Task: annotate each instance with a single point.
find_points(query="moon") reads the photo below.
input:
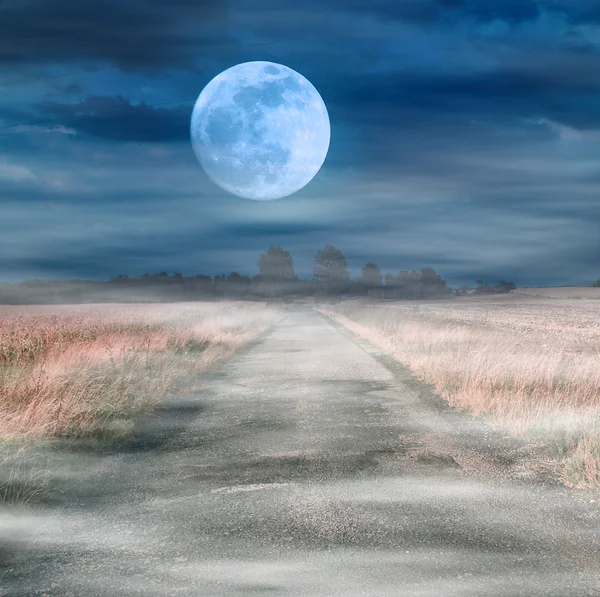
(260, 130)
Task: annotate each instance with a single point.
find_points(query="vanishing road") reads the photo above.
(308, 466)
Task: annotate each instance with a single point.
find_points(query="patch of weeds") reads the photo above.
(99, 435)
(115, 430)
(24, 478)
(189, 346)
(581, 468)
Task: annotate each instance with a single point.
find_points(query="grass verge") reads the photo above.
(540, 382)
(84, 372)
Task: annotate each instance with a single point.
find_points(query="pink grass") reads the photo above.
(70, 370)
(531, 366)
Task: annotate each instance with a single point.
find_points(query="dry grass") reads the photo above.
(83, 371)
(68, 370)
(25, 477)
(531, 365)
(568, 292)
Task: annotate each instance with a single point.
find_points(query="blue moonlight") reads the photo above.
(260, 130)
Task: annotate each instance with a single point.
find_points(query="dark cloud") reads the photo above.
(116, 119)
(152, 34)
(580, 12)
(275, 232)
(423, 13)
(509, 11)
(565, 90)
(132, 34)
(70, 89)
(416, 12)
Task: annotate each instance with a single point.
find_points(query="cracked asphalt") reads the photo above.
(309, 465)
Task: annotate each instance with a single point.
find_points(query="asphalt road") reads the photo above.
(308, 466)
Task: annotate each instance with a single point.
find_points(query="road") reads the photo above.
(309, 465)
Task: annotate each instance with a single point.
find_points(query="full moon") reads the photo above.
(260, 130)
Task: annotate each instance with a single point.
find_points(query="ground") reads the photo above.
(309, 464)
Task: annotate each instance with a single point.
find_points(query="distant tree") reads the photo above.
(505, 287)
(412, 283)
(276, 264)
(403, 278)
(178, 276)
(203, 285)
(390, 280)
(430, 282)
(596, 284)
(501, 287)
(232, 284)
(235, 284)
(220, 284)
(371, 275)
(331, 268)
(430, 278)
(482, 287)
(462, 290)
(403, 285)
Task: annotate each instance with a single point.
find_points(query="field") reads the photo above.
(68, 370)
(83, 371)
(565, 292)
(529, 365)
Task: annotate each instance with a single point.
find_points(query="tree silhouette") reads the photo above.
(371, 275)
(276, 264)
(331, 268)
(505, 286)
(406, 284)
(501, 287)
(390, 280)
(430, 281)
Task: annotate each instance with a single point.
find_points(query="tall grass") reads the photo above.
(85, 371)
(69, 371)
(25, 477)
(531, 366)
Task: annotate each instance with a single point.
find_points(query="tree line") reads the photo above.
(276, 277)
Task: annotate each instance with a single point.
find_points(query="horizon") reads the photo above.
(355, 274)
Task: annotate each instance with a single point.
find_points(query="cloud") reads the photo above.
(150, 35)
(40, 128)
(413, 12)
(14, 172)
(581, 12)
(568, 133)
(137, 34)
(117, 119)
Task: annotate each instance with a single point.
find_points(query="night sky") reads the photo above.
(465, 135)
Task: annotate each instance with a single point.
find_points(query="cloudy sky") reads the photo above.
(465, 136)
